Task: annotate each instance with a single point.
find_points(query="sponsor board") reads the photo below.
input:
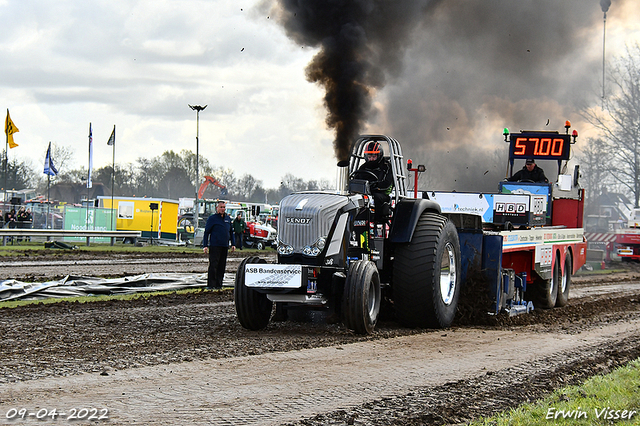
(513, 208)
(265, 275)
(472, 203)
(536, 237)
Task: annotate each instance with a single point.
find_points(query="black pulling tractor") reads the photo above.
(336, 254)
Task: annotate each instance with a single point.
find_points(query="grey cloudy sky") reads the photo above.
(137, 64)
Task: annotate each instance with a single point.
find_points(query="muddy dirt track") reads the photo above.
(184, 359)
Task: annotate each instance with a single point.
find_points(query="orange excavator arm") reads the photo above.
(207, 181)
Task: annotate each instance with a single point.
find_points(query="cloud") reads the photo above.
(138, 65)
(458, 72)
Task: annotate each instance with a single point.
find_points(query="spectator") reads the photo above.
(10, 218)
(239, 225)
(218, 232)
(28, 221)
(21, 218)
(10, 221)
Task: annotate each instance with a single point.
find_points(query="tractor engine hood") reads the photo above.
(305, 218)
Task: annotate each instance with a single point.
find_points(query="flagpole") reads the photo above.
(6, 162)
(49, 169)
(9, 130)
(86, 223)
(6, 158)
(48, 195)
(113, 176)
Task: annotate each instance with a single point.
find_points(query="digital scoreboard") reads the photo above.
(539, 145)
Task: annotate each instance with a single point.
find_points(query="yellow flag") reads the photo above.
(10, 129)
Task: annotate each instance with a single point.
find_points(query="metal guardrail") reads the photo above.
(49, 233)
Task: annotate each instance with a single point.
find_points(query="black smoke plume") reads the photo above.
(360, 41)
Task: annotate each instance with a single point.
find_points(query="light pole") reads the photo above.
(604, 4)
(197, 109)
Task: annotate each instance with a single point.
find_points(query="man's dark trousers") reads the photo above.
(217, 264)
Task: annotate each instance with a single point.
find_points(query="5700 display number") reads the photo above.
(540, 146)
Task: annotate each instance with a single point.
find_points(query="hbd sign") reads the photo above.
(511, 208)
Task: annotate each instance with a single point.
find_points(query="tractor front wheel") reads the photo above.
(253, 308)
(362, 295)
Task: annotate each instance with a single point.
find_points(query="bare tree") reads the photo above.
(247, 186)
(189, 161)
(290, 184)
(148, 175)
(619, 121)
(172, 175)
(595, 160)
(124, 180)
(62, 156)
(175, 183)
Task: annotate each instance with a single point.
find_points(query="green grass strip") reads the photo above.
(601, 400)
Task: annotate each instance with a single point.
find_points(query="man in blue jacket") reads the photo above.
(218, 232)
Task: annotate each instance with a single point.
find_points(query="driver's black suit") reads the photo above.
(383, 185)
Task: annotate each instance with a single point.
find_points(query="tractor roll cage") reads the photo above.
(394, 155)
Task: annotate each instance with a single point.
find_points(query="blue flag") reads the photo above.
(49, 168)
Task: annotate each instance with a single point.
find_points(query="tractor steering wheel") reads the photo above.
(364, 172)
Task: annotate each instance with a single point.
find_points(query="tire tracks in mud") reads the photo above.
(403, 381)
(184, 359)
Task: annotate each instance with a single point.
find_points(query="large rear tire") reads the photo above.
(565, 282)
(545, 292)
(362, 296)
(426, 274)
(253, 308)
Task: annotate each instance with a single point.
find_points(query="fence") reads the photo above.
(49, 233)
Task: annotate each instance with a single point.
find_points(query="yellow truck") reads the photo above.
(156, 218)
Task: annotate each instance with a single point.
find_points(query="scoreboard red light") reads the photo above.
(542, 146)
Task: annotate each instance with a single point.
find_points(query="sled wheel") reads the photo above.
(253, 308)
(426, 278)
(361, 301)
(545, 292)
(565, 282)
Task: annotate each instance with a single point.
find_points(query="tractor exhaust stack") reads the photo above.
(342, 180)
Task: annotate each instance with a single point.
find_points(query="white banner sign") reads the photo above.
(264, 275)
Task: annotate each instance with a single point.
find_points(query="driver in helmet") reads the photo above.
(379, 166)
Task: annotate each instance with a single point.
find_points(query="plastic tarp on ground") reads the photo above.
(88, 286)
